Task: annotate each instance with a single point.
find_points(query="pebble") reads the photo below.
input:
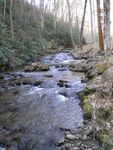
(71, 137)
(68, 145)
(75, 148)
(61, 142)
(84, 138)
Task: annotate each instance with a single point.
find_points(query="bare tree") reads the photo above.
(11, 20)
(91, 13)
(22, 7)
(82, 25)
(70, 22)
(4, 10)
(33, 8)
(56, 6)
(42, 13)
(107, 26)
(100, 19)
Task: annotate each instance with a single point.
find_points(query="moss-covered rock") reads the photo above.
(36, 67)
(87, 91)
(87, 107)
(79, 67)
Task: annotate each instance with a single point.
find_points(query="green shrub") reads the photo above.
(30, 41)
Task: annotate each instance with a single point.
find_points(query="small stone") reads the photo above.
(49, 75)
(68, 145)
(18, 82)
(1, 77)
(67, 85)
(37, 83)
(71, 137)
(84, 138)
(79, 143)
(75, 148)
(61, 142)
(16, 92)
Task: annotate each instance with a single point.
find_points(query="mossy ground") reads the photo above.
(86, 105)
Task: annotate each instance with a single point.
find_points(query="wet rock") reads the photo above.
(43, 68)
(62, 69)
(61, 142)
(11, 84)
(84, 138)
(15, 92)
(35, 64)
(71, 136)
(13, 78)
(64, 93)
(27, 81)
(68, 145)
(1, 77)
(29, 69)
(75, 148)
(77, 67)
(18, 82)
(37, 83)
(67, 85)
(48, 75)
(62, 83)
(36, 67)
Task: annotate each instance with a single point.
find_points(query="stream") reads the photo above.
(36, 117)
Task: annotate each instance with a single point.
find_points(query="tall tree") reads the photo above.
(107, 26)
(42, 13)
(91, 13)
(11, 20)
(100, 19)
(70, 22)
(4, 9)
(82, 25)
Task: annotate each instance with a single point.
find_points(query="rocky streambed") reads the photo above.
(40, 107)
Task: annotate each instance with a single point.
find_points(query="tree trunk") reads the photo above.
(70, 22)
(22, 7)
(11, 20)
(107, 26)
(56, 6)
(91, 13)
(42, 13)
(82, 25)
(4, 9)
(55, 13)
(100, 33)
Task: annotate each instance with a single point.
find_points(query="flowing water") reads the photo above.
(35, 117)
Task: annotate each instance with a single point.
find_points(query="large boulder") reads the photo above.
(27, 80)
(79, 67)
(29, 68)
(36, 66)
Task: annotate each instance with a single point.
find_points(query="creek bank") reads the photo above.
(97, 97)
